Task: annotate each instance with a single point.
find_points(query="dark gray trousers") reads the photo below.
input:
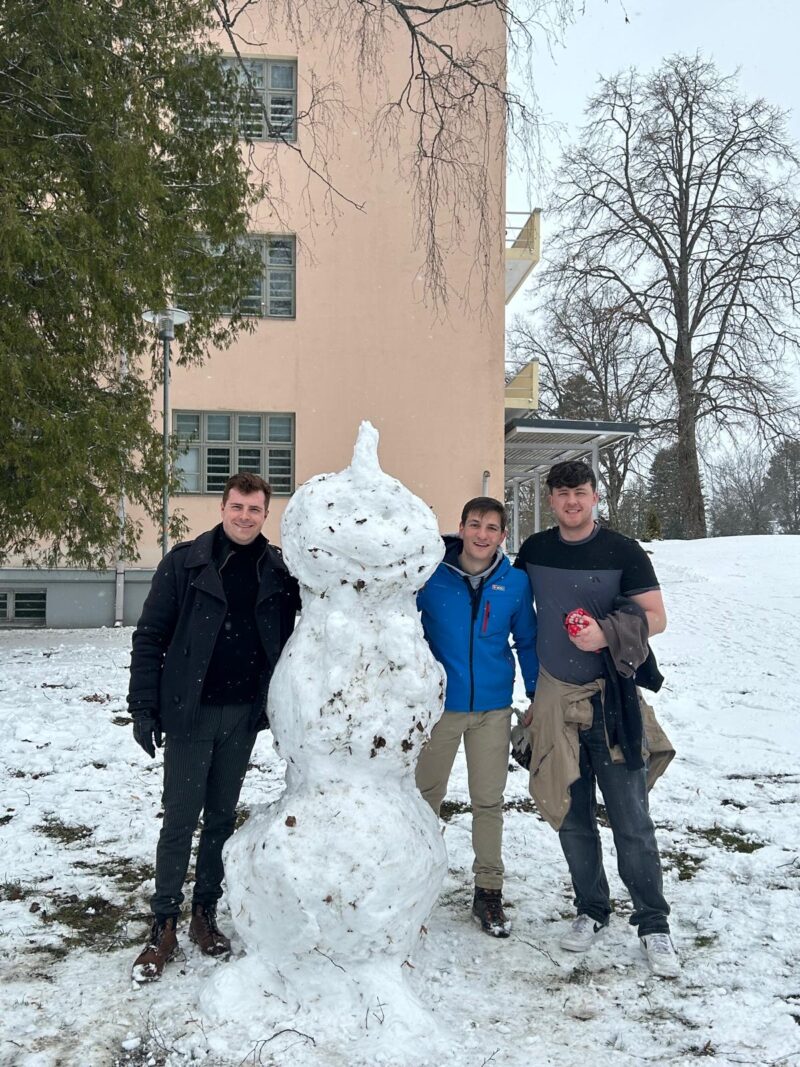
(202, 775)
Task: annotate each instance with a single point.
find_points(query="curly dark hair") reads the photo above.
(570, 474)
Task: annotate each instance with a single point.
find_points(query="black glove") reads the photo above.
(147, 732)
(521, 746)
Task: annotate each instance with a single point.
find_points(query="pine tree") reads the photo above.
(665, 492)
(783, 485)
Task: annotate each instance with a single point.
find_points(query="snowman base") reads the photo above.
(366, 1015)
(342, 922)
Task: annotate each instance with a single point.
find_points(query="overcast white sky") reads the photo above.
(759, 37)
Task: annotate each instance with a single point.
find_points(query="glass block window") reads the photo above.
(23, 607)
(215, 445)
(271, 87)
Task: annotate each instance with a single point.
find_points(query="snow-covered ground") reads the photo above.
(79, 819)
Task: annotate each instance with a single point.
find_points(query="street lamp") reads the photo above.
(166, 320)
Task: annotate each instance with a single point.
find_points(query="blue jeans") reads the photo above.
(638, 861)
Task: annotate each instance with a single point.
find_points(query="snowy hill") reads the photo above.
(79, 821)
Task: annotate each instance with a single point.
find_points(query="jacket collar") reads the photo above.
(205, 547)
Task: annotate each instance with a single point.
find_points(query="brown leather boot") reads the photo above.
(159, 950)
(205, 933)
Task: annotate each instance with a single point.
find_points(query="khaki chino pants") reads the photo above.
(487, 739)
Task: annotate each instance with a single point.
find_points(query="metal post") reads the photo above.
(537, 503)
(119, 580)
(596, 469)
(165, 491)
(515, 534)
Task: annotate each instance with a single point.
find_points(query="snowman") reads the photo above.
(330, 887)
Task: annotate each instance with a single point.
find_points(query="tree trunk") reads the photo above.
(693, 512)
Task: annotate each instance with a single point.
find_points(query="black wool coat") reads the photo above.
(182, 616)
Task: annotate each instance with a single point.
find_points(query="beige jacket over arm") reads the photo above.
(560, 710)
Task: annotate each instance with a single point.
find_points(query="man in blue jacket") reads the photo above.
(470, 606)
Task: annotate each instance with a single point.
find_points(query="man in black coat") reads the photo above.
(219, 611)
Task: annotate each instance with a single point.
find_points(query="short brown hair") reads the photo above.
(247, 483)
(480, 505)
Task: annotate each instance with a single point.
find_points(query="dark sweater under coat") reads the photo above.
(174, 640)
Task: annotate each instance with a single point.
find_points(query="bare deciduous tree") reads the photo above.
(740, 500)
(596, 363)
(681, 196)
(463, 103)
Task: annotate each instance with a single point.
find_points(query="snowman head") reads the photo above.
(360, 529)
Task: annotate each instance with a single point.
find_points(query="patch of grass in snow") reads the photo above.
(128, 872)
(778, 776)
(705, 940)
(522, 804)
(730, 840)
(700, 1050)
(242, 815)
(450, 808)
(580, 975)
(60, 831)
(13, 891)
(683, 862)
(95, 921)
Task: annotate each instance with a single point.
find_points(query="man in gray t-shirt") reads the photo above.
(579, 565)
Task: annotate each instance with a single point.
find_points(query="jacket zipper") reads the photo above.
(475, 594)
(485, 618)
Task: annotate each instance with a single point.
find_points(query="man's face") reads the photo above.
(573, 509)
(243, 515)
(482, 535)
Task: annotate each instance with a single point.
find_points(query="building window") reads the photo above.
(271, 113)
(272, 293)
(23, 607)
(217, 444)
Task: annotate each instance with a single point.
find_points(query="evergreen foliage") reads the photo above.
(783, 485)
(665, 495)
(120, 184)
(652, 527)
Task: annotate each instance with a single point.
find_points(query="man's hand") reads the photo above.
(527, 718)
(147, 732)
(590, 637)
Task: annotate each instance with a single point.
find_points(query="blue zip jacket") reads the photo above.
(468, 631)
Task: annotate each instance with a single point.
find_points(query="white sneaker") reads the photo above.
(661, 955)
(583, 932)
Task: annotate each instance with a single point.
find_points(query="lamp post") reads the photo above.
(166, 320)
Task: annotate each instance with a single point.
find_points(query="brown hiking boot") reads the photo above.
(205, 933)
(159, 950)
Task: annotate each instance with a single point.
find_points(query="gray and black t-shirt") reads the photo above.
(584, 574)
